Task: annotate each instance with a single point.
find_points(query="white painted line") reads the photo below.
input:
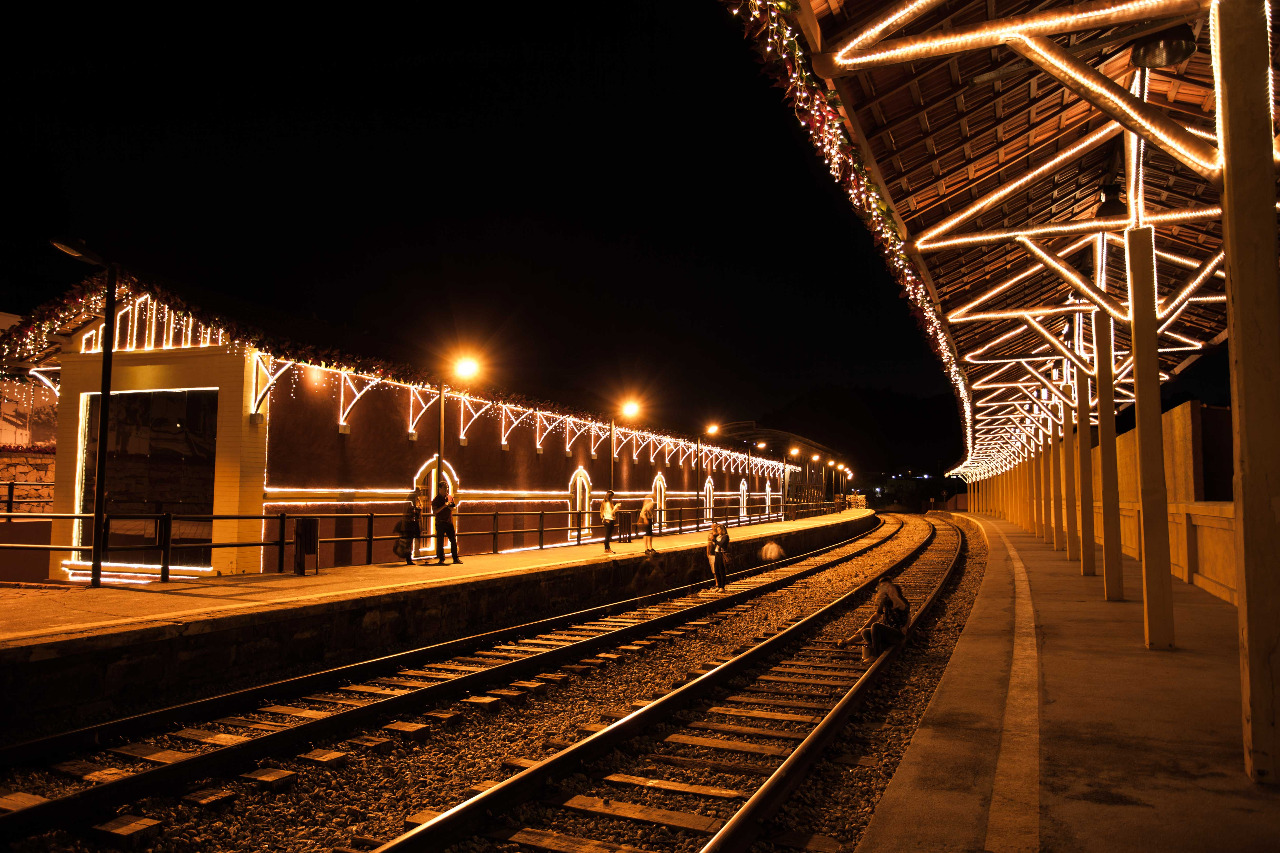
(1013, 821)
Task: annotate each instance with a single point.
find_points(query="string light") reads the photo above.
(1103, 93)
(1084, 145)
(818, 112)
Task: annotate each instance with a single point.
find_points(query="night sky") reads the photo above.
(608, 204)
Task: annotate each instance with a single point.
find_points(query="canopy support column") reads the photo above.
(1084, 446)
(1157, 582)
(1253, 323)
(1069, 477)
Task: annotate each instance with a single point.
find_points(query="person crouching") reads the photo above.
(887, 625)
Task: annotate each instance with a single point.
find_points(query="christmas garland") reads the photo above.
(768, 24)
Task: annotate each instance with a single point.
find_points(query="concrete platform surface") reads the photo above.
(1055, 729)
(31, 615)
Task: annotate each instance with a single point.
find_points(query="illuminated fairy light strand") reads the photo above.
(815, 112)
(1081, 16)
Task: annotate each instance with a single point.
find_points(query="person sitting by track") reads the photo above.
(887, 625)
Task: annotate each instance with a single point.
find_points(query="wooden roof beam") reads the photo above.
(1063, 229)
(1133, 114)
(862, 52)
(1076, 281)
(996, 196)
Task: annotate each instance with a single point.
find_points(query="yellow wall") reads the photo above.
(241, 454)
(1201, 533)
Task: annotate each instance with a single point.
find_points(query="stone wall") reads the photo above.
(20, 467)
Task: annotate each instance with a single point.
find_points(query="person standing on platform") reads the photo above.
(609, 517)
(648, 510)
(718, 552)
(409, 528)
(442, 508)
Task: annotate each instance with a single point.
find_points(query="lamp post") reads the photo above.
(77, 250)
(464, 368)
(712, 429)
(629, 409)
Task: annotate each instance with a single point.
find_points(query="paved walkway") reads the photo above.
(1055, 729)
(33, 615)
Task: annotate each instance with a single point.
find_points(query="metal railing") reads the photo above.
(580, 528)
(9, 490)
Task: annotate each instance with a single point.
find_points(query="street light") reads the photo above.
(77, 250)
(712, 429)
(629, 409)
(464, 368)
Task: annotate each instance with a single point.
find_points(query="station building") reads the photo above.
(228, 431)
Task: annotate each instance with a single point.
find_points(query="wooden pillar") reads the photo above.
(1157, 582)
(1069, 478)
(1108, 467)
(1046, 484)
(1033, 475)
(1055, 484)
(1084, 447)
(1253, 324)
(1028, 494)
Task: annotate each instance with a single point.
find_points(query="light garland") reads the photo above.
(1082, 16)
(817, 111)
(1082, 146)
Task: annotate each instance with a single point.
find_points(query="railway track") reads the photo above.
(688, 767)
(82, 776)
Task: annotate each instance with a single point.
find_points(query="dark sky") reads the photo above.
(600, 205)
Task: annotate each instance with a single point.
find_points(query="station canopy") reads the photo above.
(1013, 143)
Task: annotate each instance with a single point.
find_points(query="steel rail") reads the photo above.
(104, 797)
(464, 819)
(741, 829)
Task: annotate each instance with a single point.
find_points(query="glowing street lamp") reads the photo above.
(712, 429)
(464, 368)
(629, 410)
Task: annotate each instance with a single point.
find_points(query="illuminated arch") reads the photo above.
(768, 497)
(742, 499)
(579, 503)
(709, 499)
(660, 498)
(424, 484)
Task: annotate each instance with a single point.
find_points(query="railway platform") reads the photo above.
(1055, 729)
(91, 652)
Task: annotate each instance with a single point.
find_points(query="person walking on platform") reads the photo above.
(442, 509)
(648, 510)
(609, 517)
(718, 552)
(409, 528)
